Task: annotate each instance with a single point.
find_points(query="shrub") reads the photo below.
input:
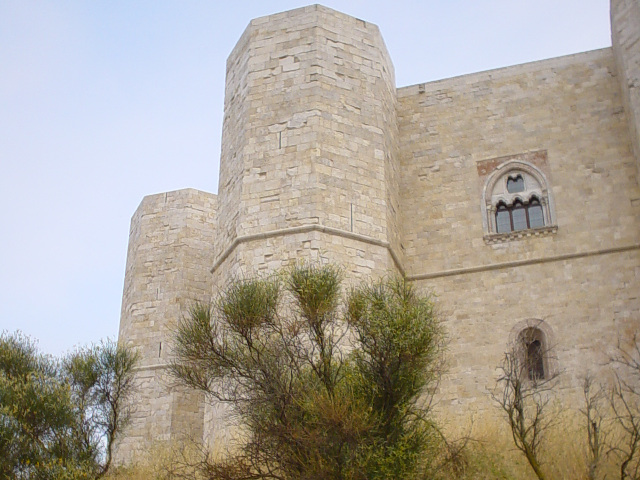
(321, 392)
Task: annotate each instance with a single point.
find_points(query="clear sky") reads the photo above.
(104, 102)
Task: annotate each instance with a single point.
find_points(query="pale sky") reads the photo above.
(104, 102)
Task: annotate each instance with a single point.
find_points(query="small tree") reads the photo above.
(525, 397)
(101, 383)
(321, 394)
(594, 399)
(58, 419)
(625, 403)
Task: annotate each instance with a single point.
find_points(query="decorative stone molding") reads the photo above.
(521, 263)
(494, 238)
(495, 192)
(305, 229)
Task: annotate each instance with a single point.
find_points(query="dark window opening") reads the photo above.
(503, 219)
(515, 184)
(535, 363)
(533, 353)
(519, 216)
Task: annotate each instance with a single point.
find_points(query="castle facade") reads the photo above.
(510, 194)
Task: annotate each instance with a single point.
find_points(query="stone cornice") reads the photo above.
(520, 234)
(520, 263)
(396, 260)
(306, 229)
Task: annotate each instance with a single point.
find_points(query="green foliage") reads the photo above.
(397, 352)
(58, 419)
(324, 391)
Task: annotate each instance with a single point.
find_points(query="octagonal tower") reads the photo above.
(309, 158)
(308, 145)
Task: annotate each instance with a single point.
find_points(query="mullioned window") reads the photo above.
(517, 203)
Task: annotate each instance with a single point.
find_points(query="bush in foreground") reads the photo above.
(320, 389)
(60, 418)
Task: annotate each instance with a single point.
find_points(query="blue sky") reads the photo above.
(103, 102)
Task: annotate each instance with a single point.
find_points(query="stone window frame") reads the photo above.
(511, 169)
(533, 348)
(526, 332)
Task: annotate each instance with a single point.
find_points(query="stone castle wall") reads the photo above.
(625, 34)
(570, 108)
(168, 265)
(324, 159)
(584, 305)
(566, 114)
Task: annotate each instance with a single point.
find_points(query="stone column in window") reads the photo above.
(491, 218)
(545, 209)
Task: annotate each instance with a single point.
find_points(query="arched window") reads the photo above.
(517, 199)
(532, 340)
(519, 216)
(535, 216)
(533, 347)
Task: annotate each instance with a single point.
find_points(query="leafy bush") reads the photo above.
(323, 392)
(59, 418)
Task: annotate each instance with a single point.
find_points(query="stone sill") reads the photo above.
(494, 238)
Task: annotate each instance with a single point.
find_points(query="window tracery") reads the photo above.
(515, 183)
(517, 200)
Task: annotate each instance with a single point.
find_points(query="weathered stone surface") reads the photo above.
(324, 159)
(625, 35)
(170, 254)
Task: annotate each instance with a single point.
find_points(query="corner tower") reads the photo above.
(308, 162)
(168, 260)
(625, 38)
(309, 166)
(308, 170)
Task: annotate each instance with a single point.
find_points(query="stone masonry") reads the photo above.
(323, 158)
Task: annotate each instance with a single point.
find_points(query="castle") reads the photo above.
(511, 194)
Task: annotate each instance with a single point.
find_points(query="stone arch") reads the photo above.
(495, 192)
(523, 336)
